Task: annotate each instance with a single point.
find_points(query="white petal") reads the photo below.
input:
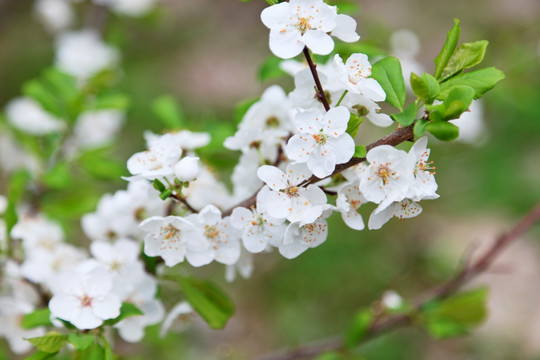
(322, 161)
(228, 254)
(275, 15)
(200, 258)
(309, 121)
(254, 241)
(343, 147)
(277, 204)
(108, 307)
(86, 319)
(298, 173)
(353, 219)
(318, 41)
(273, 177)
(372, 89)
(286, 43)
(335, 121)
(378, 219)
(300, 147)
(345, 29)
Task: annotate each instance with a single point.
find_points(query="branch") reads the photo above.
(397, 137)
(182, 200)
(469, 272)
(320, 91)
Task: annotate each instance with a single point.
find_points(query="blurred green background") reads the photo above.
(207, 53)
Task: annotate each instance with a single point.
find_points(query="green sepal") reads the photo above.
(165, 194)
(360, 151)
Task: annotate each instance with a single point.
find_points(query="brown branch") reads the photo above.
(470, 271)
(320, 91)
(182, 200)
(393, 139)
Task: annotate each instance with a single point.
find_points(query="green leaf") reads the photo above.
(448, 49)
(62, 85)
(40, 355)
(466, 55)
(455, 315)
(37, 91)
(16, 189)
(208, 300)
(41, 317)
(158, 185)
(116, 101)
(481, 81)
(456, 103)
(354, 124)
(360, 151)
(101, 165)
(359, 327)
(425, 87)
(406, 117)
(420, 127)
(93, 352)
(443, 130)
(70, 203)
(168, 112)
(81, 341)
(127, 310)
(50, 343)
(58, 177)
(270, 69)
(388, 74)
(109, 355)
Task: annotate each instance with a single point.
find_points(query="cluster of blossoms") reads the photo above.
(296, 168)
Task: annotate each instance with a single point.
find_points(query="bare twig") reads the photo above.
(470, 271)
(320, 91)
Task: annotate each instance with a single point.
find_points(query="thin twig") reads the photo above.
(182, 200)
(320, 91)
(469, 272)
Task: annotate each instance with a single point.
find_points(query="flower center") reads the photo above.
(385, 173)
(291, 191)
(211, 232)
(424, 167)
(303, 24)
(320, 138)
(86, 301)
(170, 233)
(272, 122)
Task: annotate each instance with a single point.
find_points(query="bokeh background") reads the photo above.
(207, 54)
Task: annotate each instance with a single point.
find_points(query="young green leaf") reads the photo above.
(360, 151)
(58, 177)
(93, 352)
(448, 49)
(52, 342)
(466, 55)
(455, 315)
(420, 127)
(481, 81)
(81, 341)
(16, 189)
(359, 327)
(208, 300)
(443, 130)
(406, 117)
(111, 101)
(388, 74)
(41, 317)
(41, 355)
(455, 104)
(168, 112)
(127, 310)
(425, 87)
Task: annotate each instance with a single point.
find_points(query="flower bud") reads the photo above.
(187, 169)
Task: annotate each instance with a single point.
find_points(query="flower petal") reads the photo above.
(318, 41)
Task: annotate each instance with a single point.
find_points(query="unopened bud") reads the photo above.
(187, 169)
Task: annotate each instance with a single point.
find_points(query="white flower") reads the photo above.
(222, 237)
(83, 54)
(424, 185)
(28, 116)
(174, 238)
(244, 266)
(56, 15)
(13, 157)
(258, 229)
(37, 232)
(118, 215)
(182, 310)
(300, 23)
(207, 189)
(388, 176)
(283, 198)
(84, 297)
(322, 142)
(244, 178)
(116, 257)
(349, 200)
(187, 169)
(12, 310)
(355, 76)
(300, 237)
(42, 265)
(97, 127)
(141, 292)
(404, 209)
(158, 161)
(304, 94)
(365, 107)
(186, 140)
(135, 8)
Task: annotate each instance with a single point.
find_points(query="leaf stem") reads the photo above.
(342, 97)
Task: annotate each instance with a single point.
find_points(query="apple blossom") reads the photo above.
(322, 141)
